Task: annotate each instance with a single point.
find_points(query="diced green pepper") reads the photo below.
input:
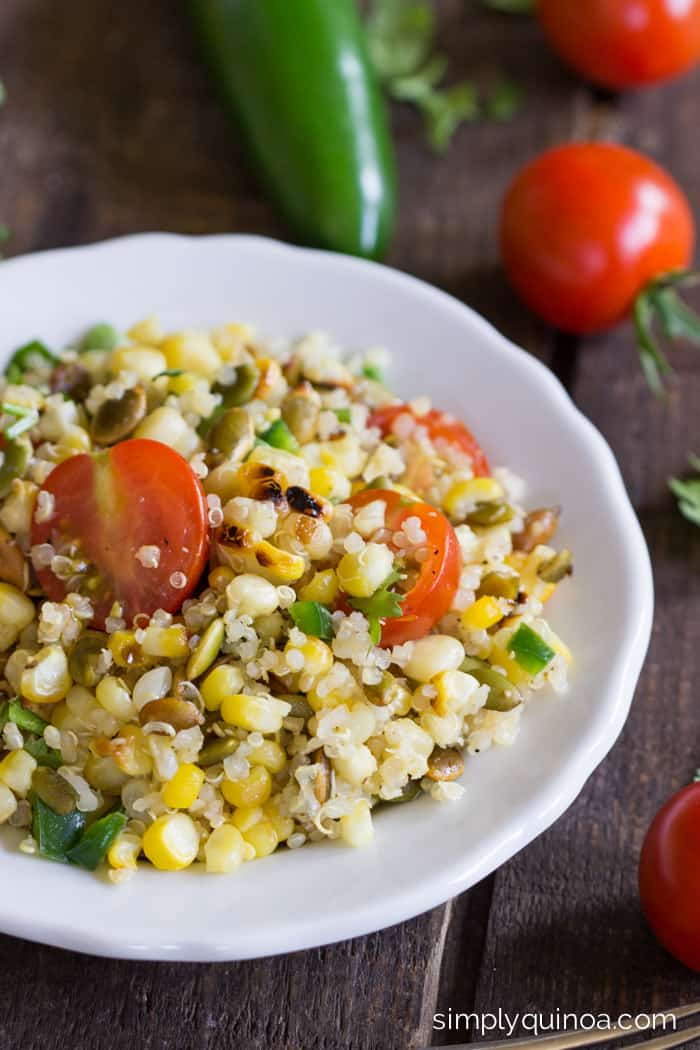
(530, 650)
(343, 415)
(280, 436)
(25, 719)
(44, 755)
(101, 336)
(370, 371)
(312, 618)
(56, 834)
(92, 848)
(27, 357)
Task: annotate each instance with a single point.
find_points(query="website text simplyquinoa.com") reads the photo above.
(507, 1023)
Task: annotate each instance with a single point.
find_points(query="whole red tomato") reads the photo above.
(669, 876)
(585, 227)
(624, 43)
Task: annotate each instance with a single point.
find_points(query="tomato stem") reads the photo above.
(660, 306)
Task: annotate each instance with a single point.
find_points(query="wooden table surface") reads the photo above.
(110, 128)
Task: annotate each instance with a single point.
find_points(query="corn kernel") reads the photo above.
(463, 494)
(270, 755)
(253, 790)
(332, 699)
(148, 331)
(8, 803)
(251, 595)
(46, 678)
(318, 658)
(224, 850)
(355, 765)
(171, 842)
(454, 690)
(112, 694)
(246, 817)
(207, 649)
(144, 361)
(16, 771)
(220, 577)
(484, 613)
(225, 680)
(167, 425)
(356, 827)
(263, 838)
(284, 826)
(361, 574)
(330, 484)
(169, 643)
(125, 650)
(16, 612)
(322, 587)
(183, 788)
(262, 714)
(124, 851)
(192, 352)
(133, 755)
(432, 655)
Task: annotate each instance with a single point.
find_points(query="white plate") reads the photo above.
(426, 852)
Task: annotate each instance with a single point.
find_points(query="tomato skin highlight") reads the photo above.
(669, 876)
(623, 43)
(585, 227)
(137, 493)
(439, 426)
(431, 596)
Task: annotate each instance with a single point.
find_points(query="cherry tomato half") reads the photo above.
(624, 43)
(440, 427)
(585, 227)
(669, 876)
(139, 493)
(431, 596)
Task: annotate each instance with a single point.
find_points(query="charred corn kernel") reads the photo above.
(124, 851)
(250, 595)
(433, 655)
(355, 765)
(318, 658)
(144, 361)
(356, 826)
(220, 577)
(322, 587)
(261, 558)
(169, 643)
(292, 467)
(223, 681)
(113, 695)
(263, 838)
(330, 484)
(454, 690)
(269, 754)
(262, 714)
(16, 771)
(171, 842)
(462, 494)
(182, 789)
(125, 650)
(224, 850)
(246, 817)
(148, 331)
(46, 678)
(253, 790)
(16, 612)
(207, 649)
(8, 803)
(284, 826)
(484, 613)
(192, 352)
(167, 425)
(361, 574)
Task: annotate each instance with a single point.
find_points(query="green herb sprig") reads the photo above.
(688, 493)
(384, 604)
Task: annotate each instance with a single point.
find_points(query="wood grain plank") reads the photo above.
(566, 930)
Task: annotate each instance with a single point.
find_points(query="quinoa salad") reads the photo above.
(247, 596)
